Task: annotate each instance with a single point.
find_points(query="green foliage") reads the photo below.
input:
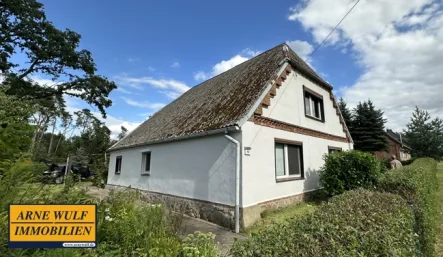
(425, 136)
(348, 170)
(345, 112)
(199, 245)
(15, 130)
(356, 223)
(49, 51)
(417, 184)
(368, 128)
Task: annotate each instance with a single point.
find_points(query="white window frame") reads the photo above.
(143, 171)
(309, 97)
(286, 161)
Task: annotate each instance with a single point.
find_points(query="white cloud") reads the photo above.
(398, 44)
(121, 89)
(175, 65)
(170, 87)
(144, 104)
(151, 68)
(226, 65)
(250, 52)
(200, 75)
(302, 48)
(135, 59)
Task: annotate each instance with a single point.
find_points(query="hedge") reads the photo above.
(417, 184)
(349, 170)
(356, 223)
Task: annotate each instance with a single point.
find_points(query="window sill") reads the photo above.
(279, 180)
(118, 173)
(314, 118)
(145, 174)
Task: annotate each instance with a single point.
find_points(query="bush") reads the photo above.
(417, 184)
(356, 223)
(349, 170)
(407, 162)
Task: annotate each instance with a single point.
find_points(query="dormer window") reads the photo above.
(314, 105)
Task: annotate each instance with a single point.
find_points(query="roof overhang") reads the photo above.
(232, 128)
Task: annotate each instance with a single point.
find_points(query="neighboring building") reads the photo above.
(396, 146)
(247, 140)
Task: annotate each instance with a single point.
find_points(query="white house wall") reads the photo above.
(201, 168)
(259, 181)
(288, 106)
(258, 176)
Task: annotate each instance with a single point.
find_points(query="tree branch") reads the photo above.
(30, 69)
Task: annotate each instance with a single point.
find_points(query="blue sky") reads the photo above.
(153, 50)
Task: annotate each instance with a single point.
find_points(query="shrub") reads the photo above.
(348, 170)
(356, 223)
(417, 184)
(407, 162)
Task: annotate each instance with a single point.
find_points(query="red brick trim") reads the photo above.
(271, 123)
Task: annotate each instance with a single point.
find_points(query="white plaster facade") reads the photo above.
(258, 170)
(201, 168)
(204, 168)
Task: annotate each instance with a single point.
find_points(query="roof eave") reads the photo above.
(231, 128)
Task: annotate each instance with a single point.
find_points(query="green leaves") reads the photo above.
(356, 223)
(367, 128)
(349, 170)
(50, 52)
(417, 184)
(425, 136)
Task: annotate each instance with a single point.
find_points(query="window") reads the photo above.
(332, 149)
(118, 165)
(314, 105)
(146, 163)
(288, 161)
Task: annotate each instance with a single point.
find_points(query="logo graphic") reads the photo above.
(52, 226)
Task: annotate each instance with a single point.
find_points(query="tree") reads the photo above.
(50, 52)
(368, 128)
(123, 133)
(15, 131)
(425, 136)
(345, 112)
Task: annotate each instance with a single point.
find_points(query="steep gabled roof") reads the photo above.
(396, 137)
(219, 102)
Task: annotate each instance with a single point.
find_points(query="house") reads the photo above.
(247, 140)
(396, 146)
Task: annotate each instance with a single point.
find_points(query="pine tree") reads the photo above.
(425, 136)
(368, 128)
(345, 112)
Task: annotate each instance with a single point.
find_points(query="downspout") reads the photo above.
(237, 182)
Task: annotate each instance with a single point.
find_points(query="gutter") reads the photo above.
(189, 136)
(237, 182)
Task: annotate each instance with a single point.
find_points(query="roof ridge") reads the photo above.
(249, 60)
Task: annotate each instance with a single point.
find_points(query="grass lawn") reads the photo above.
(282, 215)
(439, 216)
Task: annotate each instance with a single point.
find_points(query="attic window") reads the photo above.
(314, 105)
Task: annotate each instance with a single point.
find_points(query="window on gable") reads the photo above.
(332, 149)
(288, 161)
(314, 106)
(146, 163)
(118, 165)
